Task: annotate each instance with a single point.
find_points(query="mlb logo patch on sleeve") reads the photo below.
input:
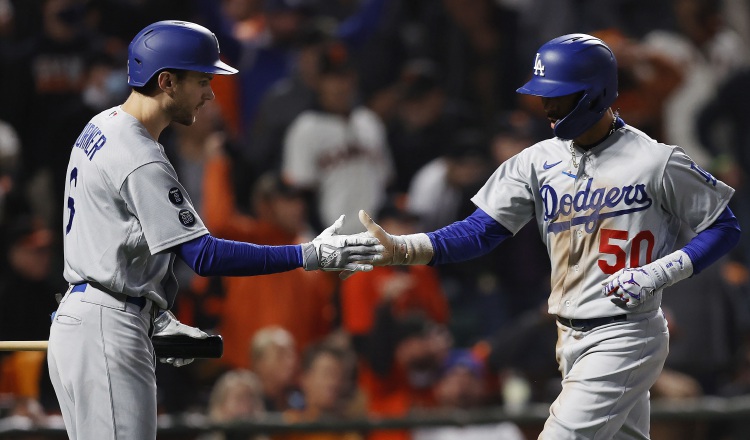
(187, 218)
(175, 196)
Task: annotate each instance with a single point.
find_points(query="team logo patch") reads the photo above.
(175, 196)
(186, 217)
(538, 66)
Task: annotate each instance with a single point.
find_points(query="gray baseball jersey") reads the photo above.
(622, 206)
(124, 207)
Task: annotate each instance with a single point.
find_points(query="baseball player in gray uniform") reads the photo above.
(126, 219)
(608, 201)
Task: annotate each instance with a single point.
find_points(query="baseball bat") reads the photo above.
(23, 345)
(180, 346)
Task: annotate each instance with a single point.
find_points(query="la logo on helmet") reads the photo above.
(538, 66)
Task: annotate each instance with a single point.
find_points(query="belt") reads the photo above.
(585, 325)
(139, 301)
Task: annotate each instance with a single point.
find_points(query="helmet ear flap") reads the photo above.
(595, 103)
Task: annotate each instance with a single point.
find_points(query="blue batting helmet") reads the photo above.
(173, 45)
(571, 64)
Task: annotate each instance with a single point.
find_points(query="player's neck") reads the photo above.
(597, 133)
(148, 111)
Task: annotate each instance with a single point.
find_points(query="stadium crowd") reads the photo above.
(401, 108)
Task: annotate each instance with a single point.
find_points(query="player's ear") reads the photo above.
(167, 81)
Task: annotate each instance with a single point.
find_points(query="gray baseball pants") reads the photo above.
(102, 367)
(607, 373)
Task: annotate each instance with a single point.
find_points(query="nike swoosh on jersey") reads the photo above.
(548, 166)
(570, 174)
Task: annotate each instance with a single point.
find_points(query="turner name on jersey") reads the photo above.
(91, 140)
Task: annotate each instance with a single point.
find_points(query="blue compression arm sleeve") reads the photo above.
(469, 238)
(209, 256)
(713, 242)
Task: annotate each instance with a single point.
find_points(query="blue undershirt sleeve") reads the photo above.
(469, 238)
(210, 256)
(713, 242)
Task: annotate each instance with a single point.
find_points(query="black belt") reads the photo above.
(139, 301)
(585, 325)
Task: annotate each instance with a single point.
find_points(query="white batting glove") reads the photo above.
(398, 249)
(631, 287)
(333, 252)
(167, 324)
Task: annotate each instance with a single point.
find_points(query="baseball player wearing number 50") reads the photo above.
(608, 201)
(127, 218)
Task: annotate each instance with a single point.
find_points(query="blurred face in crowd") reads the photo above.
(459, 388)
(290, 213)
(468, 14)
(278, 365)
(336, 92)
(242, 401)
(31, 256)
(423, 111)
(58, 18)
(424, 351)
(285, 25)
(466, 171)
(698, 19)
(239, 10)
(323, 383)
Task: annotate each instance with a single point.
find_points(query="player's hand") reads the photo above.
(333, 252)
(387, 240)
(398, 249)
(167, 324)
(395, 246)
(631, 287)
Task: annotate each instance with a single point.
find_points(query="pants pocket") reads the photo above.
(67, 319)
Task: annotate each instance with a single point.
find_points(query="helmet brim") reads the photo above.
(218, 68)
(546, 88)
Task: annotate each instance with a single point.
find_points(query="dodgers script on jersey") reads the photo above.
(621, 207)
(124, 208)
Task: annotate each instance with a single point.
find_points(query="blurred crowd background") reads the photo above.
(399, 107)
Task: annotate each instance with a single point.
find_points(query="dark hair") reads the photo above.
(315, 351)
(152, 85)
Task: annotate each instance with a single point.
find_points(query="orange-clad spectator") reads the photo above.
(406, 289)
(323, 385)
(298, 301)
(402, 364)
(389, 313)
